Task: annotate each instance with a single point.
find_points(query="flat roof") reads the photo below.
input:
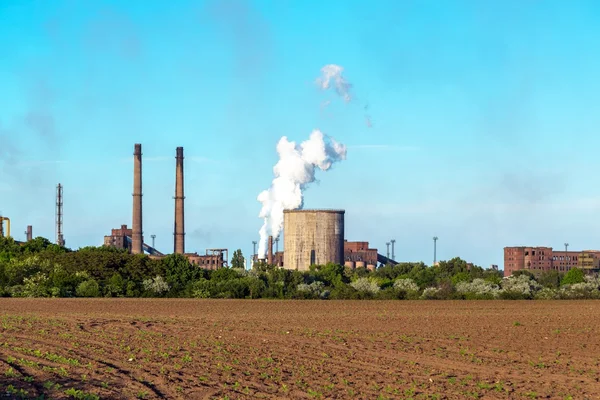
(325, 210)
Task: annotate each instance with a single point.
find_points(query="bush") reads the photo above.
(430, 293)
(89, 288)
(406, 285)
(589, 289)
(575, 275)
(478, 289)
(391, 293)
(517, 287)
(156, 286)
(366, 286)
(313, 291)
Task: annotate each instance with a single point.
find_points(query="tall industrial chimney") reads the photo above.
(179, 204)
(29, 233)
(270, 251)
(137, 238)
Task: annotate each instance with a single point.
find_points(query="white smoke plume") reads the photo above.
(332, 74)
(293, 172)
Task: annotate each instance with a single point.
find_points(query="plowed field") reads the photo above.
(201, 349)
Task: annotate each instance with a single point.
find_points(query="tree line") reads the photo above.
(39, 268)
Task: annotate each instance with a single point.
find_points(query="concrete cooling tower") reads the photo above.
(313, 237)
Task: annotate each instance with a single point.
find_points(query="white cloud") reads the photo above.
(332, 74)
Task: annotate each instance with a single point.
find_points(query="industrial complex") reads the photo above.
(309, 237)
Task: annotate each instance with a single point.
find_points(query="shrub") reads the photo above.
(89, 288)
(430, 293)
(575, 275)
(589, 289)
(517, 287)
(157, 285)
(366, 286)
(407, 285)
(478, 289)
(312, 291)
(547, 294)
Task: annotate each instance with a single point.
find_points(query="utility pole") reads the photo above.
(393, 253)
(388, 252)
(435, 239)
(153, 238)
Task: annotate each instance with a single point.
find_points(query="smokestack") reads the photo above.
(270, 251)
(137, 238)
(179, 204)
(29, 233)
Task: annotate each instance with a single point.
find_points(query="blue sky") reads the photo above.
(485, 118)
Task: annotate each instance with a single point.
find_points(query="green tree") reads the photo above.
(575, 275)
(237, 261)
(115, 286)
(550, 279)
(89, 288)
(180, 273)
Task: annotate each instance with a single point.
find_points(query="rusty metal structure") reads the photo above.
(313, 237)
(137, 238)
(60, 240)
(179, 231)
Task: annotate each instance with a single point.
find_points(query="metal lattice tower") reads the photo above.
(59, 216)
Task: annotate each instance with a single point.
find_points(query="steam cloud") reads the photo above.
(293, 172)
(332, 74)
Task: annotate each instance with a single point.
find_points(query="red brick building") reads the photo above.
(360, 252)
(547, 259)
(118, 238)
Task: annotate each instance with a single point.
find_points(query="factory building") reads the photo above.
(212, 260)
(313, 237)
(119, 238)
(359, 255)
(546, 259)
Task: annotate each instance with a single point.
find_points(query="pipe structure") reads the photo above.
(137, 238)
(270, 251)
(179, 240)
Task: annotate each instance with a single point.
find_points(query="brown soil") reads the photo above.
(201, 349)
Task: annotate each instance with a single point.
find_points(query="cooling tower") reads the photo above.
(179, 245)
(313, 237)
(137, 238)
